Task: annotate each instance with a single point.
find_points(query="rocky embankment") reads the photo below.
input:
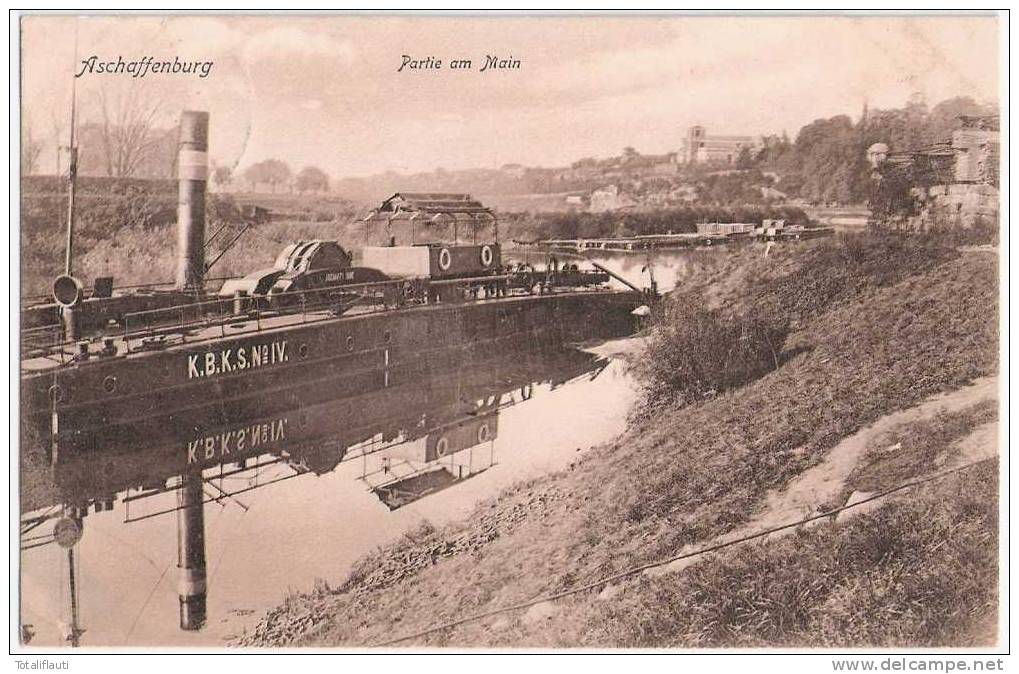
(302, 615)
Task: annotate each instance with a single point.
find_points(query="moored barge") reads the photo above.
(121, 361)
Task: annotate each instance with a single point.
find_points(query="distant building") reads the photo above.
(686, 192)
(700, 148)
(609, 199)
(961, 177)
(665, 164)
(977, 150)
(772, 194)
(970, 157)
(877, 153)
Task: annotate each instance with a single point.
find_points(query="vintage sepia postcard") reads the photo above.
(415, 330)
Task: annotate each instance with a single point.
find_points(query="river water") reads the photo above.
(291, 505)
(434, 459)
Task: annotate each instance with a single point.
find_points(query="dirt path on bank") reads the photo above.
(823, 487)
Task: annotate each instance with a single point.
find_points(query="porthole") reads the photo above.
(442, 447)
(302, 350)
(350, 343)
(445, 259)
(110, 384)
(387, 336)
(483, 433)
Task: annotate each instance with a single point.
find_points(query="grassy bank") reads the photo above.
(126, 228)
(919, 571)
(875, 327)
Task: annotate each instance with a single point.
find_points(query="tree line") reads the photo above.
(121, 135)
(827, 163)
(277, 175)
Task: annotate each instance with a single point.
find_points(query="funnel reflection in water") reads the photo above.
(191, 553)
(403, 445)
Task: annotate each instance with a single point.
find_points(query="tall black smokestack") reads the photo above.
(192, 174)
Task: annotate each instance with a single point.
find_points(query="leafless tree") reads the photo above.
(58, 136)
(126, 130)
(31, 148)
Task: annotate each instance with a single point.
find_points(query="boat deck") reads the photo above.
(162, 336)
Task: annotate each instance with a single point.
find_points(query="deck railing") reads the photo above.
(46, 299)
(152, 328)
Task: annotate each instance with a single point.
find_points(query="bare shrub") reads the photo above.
(695, 353)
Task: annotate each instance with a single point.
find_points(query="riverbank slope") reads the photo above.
(877, 326)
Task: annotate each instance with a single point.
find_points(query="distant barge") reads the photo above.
(707, 234)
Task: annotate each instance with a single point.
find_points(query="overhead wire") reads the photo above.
(644, 567)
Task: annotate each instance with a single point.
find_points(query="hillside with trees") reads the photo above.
(124, 153)
(827, 161)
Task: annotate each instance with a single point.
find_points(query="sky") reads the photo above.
(326, 91)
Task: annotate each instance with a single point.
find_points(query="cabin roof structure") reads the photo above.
(428, 205)
(409, 489)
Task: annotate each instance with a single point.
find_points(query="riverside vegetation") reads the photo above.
(809, 345)
(125, 228)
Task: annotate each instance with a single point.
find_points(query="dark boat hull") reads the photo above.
(257, 373)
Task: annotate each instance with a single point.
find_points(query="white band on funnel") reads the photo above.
(191, 582)
(193, 165)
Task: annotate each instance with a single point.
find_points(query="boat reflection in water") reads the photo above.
(402, 443)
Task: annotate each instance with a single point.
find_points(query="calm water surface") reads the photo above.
(460, 442)
(304, 506)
